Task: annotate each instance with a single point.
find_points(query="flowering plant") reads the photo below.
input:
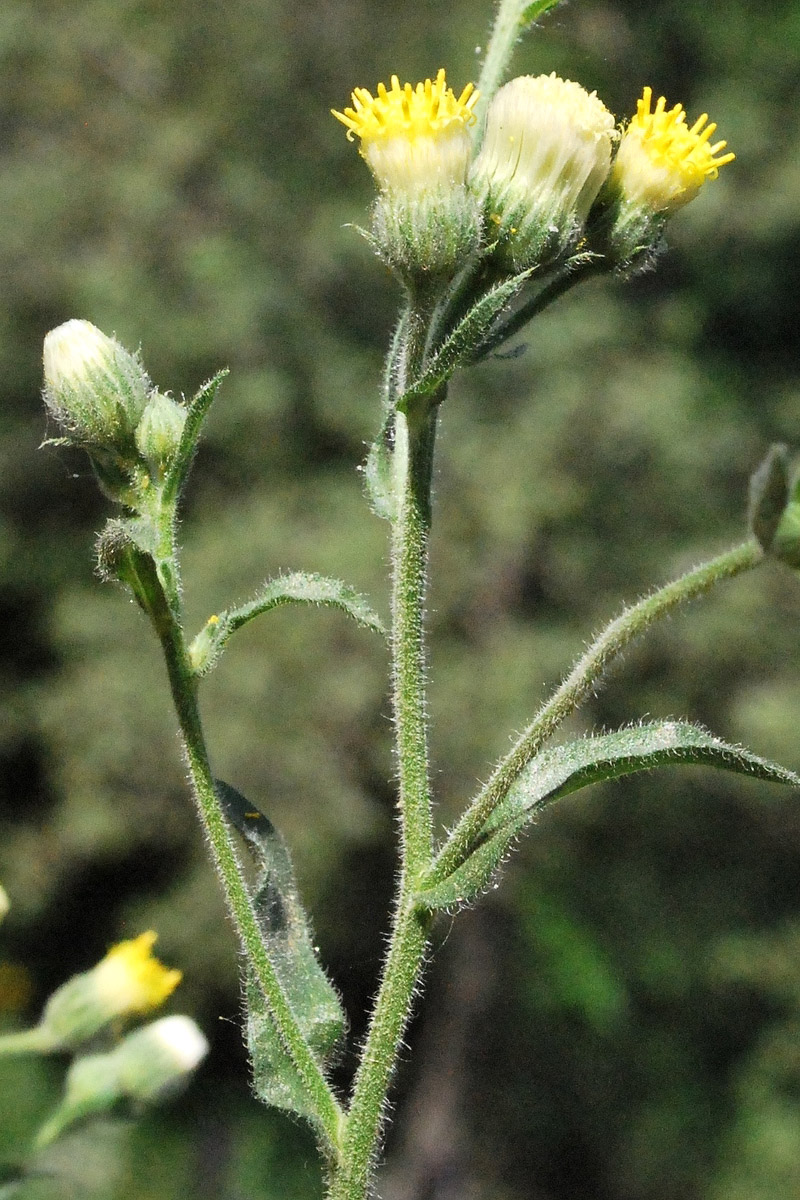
(492, 202)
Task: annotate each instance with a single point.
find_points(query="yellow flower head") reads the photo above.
(131, 980)
(413, 136)
(128, 981)
(662, 162)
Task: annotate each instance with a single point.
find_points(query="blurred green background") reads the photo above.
(621, 1020)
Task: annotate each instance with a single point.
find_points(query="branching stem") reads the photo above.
(579, 685)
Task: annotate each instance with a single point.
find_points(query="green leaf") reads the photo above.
(532, 12)
(295, 588)
(558, 771)
(468, 336)
(287, 937)
(195, 417)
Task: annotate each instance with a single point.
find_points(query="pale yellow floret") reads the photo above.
(545, 155)
(131, 980)
(547, 139)
(413, 138)
(662, 162)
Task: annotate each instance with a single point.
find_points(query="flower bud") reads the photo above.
(158, 434)
(146, 1066)
(4, 902)
(416, 142)
(155, 1060)
(128, 981)
(93, 387)
(545, 155)
(661, 165)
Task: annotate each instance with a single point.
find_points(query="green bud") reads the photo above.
(147, 1066)
(157, 1059)
(93, 387)
(158, 434)
(92, 1087)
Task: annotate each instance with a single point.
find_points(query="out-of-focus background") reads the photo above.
(621, 1019)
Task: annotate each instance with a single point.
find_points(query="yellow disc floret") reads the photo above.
(662, 161)
(428, 108)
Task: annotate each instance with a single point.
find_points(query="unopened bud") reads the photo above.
(148, 1065)
(545, 155)
(155, 1060)
(95, 389)
(158, 434)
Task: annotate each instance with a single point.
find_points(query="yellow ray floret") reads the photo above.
(662, 160)
(429, 108)
(130, 979)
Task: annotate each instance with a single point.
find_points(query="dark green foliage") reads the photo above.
(769, 495)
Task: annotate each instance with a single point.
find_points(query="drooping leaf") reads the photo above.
(295, 588)
(287, 937)
(469, 334)
(560, 770)
(769, 495)
(563, 769)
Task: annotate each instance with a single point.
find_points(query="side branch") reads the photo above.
(579, 685)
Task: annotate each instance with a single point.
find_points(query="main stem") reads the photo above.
(414, 437)
(183, 684)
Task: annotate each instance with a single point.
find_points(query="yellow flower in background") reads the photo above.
(662, 162)
(129, 981)
(413, 136)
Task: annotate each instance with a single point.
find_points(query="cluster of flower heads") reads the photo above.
(553, 170)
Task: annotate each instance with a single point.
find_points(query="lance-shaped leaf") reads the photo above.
(461, 345)
(560, 770)
(190, 435)
(295, 588)
(287, 938)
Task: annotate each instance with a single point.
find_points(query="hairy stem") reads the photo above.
(328, 1113)
(513, 17)
(581, 682)
(413, 452)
